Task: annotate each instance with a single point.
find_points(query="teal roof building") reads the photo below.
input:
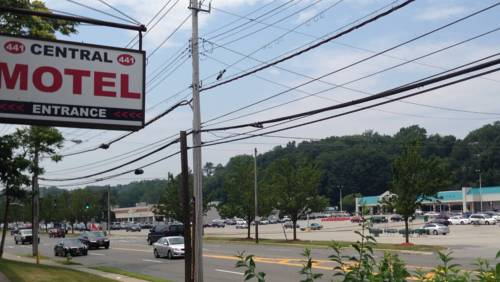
(468, 199)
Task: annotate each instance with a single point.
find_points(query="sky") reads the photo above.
(246, 33)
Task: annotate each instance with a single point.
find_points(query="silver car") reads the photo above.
(436, 228)
(171, 247)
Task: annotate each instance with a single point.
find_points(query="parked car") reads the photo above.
(396, 218)
(146, 225)
(57, 232)
(116, 226)
(24, 236)
(289, 224)
(133, 228)
(241, 225)
(263, 222)
(165, 230)
(94, 239)
(219, 223)
(378, 219)
(458, 220)
(442, 221)
(436, 228)
(481, 218)
(229, 221)
(171, 246)
(70, 247)
(313, 226)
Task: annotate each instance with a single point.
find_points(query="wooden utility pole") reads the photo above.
(186, 207)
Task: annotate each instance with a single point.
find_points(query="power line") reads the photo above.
(353, 111)
(150, 28)
(246, 15)
(109, 143)
(260, 16)
(348, 66)
(310, 47)
(101, 11)
(116, 167)
(169, 36)
(343, 85)
(120, 12)
(116, 158)
(410, 86)
(118, 174)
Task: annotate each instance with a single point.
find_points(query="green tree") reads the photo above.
(12, 168)
(295, 186)
(415, 179)
(170, 204)
(33, 26)
(240, 193)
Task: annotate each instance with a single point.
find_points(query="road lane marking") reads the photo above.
(227, 271)
(95, 254)
(150, 260)
(295, 262)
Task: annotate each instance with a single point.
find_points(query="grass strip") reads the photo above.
(129, 273)
(27, 272)
(326, 244)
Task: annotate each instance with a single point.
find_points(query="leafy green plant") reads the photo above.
(486, 273)
(359, 267)
(449, 272)
(248, 263)
(391, 269)
(307, 271)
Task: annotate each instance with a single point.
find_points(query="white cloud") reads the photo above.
(440, 12)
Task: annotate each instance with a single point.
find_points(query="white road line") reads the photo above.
(95, 254)
(227, 271)
(150, 260)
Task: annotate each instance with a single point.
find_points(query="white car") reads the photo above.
(497, 217)
(481, 218)
(241, 225)
(436, 228)
(458, 220)
(172, 246)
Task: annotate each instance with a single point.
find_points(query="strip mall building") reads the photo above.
(468, 199)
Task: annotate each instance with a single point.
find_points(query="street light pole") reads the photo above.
(340, 200)
(109, 212)
(480, 191)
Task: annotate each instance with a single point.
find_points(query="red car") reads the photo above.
(57, 233)
(357, 219)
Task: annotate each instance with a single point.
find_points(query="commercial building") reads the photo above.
(142, 212)
(468, 199)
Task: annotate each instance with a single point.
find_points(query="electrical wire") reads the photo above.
(237, 20)
(310, 47)
(169, 36)
(100, 11)
(407, 87)
(155, 24)
(109, 143)
(343, 85)
(352, 64)
(116, 167)
(120, 12)
(353, 111)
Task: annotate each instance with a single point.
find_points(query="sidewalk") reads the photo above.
(81, 268)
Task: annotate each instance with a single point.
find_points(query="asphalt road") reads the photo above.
(131, 252)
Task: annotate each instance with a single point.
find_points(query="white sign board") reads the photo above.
(60, 83)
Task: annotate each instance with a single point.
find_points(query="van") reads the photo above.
(164, 230)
